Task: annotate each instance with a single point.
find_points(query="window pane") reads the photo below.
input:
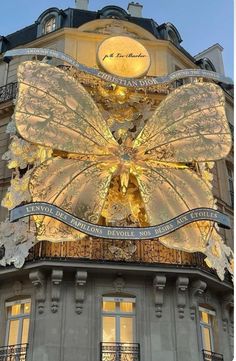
(108, 306)
(108, 329)
(50, 25)
(126, 329)
(25, 331)
(126, 306)
(13, 332)
(27, 308)
(16, 309)
(206, 338)
(205, 317)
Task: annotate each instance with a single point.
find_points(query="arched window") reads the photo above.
(169, 32)
(113, 12)
(49, 25)
(173, 37)
(49, 21)
(206, 63)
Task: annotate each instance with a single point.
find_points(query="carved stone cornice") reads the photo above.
(80, 282)
(181, 294)
(197, 289)
(38, 280)
(159, 284)
(56, 279)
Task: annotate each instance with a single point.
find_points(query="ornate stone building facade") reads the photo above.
(101, 300)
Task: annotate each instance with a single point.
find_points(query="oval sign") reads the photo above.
(123, 56)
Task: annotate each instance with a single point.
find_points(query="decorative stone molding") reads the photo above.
(231, 331)
(197, 289)
(159, 283)
(181, 294)
(38, 281)
(227, 308)
(56, 280)
(17, 288)
(208, 299)
(119, 284)
(80, 282)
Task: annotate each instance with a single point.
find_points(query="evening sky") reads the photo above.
(200, 23)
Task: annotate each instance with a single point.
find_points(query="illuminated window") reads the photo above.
(50, 25)
(231, 185)
(18, 318)
(118, 319)
(208, 328)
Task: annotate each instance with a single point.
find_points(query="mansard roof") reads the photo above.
(74, 18)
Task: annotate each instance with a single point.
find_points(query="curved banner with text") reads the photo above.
(122, 233)
(126, 82)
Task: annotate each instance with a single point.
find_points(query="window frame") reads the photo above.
(47, 21)
(230, 178)
(118, 315)
(21, 317)
(209, 326)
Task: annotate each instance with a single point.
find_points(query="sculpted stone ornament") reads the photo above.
(219, 257)
(159, 284)
(82, 156)
(80, 284)
(181, 294)
(17, 241)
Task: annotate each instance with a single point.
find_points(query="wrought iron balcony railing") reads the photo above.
(13, 352)
(117, 351)
(8, 92)
(139, 251)
(212, 356)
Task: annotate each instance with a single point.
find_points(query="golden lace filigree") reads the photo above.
(54, 111)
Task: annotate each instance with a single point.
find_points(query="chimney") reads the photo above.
(135, 9)
(81, 4)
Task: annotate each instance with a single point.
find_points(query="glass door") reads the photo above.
(206, 325)
(18, 317)
(118, 319)
(118, 328)
(17, 330)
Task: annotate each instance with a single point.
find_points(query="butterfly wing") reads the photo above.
(79, 187)
(168, 192)
(54, 110)
(189, 125)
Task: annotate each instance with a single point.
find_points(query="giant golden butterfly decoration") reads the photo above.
(55, 111)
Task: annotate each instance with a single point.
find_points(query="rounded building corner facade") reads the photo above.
(110, 300)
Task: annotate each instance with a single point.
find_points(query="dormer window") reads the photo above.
(113, 12)
(50, 25)
(206, 64)
(50, 20)
(169, 32)
(173, 37)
